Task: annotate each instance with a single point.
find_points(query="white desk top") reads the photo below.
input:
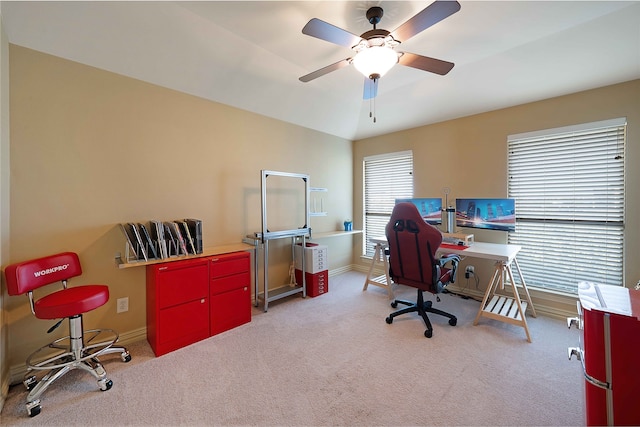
(493, 251)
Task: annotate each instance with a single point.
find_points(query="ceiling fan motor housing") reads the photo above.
(374, 15)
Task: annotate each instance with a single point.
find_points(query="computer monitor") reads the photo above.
(489, 214)
(430, 208)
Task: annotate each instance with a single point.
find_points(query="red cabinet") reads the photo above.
(177, 304)
(230, 294)
(190, 300)
(610, 320)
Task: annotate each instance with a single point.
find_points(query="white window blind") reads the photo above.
(386, 178)
(570, 194)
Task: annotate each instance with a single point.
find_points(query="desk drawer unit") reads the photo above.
(315, 258)
(177, 304)
(230, 291)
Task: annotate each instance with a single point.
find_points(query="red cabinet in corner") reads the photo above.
(177, 304)
(230, 291)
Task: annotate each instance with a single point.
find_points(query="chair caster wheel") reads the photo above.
(105, 384)
(34, 411)
(453, 322)
(394, 303)
(126, 357)
(33, 408)
(428, 333)
(389, 320)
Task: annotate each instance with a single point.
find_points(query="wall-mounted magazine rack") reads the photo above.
(162, 240)
(130, 253)
(134, 253)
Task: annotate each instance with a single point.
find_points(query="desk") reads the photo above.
(495, 306)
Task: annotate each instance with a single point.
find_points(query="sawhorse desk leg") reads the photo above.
(383, 281)
(504, 308)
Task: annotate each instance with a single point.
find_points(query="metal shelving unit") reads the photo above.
(261, 241)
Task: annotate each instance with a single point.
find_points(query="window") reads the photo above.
(386, 177)
(569, 189)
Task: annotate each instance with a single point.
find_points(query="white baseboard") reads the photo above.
(340, 270)
(365, 269)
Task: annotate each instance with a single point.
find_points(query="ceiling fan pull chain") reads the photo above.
(374, 110)
(372, 106)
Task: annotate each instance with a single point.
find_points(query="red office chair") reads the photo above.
(412, 261)
(80, 349)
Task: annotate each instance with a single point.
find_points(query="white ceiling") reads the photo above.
(250, 54)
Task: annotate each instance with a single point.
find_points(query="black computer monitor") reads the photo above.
(488, 214)
(429, 207)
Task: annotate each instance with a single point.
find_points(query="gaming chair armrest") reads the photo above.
(454, 260)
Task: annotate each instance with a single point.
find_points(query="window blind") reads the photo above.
(570, 204)
(386, 177)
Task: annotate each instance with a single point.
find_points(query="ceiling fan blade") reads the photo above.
(325, 70)
(370, 88)
(425, 63)
(432, 14)
(325, 31)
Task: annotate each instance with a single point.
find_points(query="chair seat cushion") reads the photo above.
(71, 301)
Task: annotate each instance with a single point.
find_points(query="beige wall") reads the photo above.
(91, 149)
(469, 155)
(4, 206)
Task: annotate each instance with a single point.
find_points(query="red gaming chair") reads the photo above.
(412, 261)
(80, 349)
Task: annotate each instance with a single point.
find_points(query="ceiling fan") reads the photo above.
(374, 50)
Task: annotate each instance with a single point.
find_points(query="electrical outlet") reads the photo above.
(122, 305)
(469, 271)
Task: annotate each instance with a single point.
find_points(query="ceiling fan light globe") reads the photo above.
(375, 60)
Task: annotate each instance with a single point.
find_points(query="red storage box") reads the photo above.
(317, 283)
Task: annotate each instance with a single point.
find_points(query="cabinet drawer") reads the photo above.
(230, 309)
(228, 283)
(228, 264)
(182, 325)
(179, 284)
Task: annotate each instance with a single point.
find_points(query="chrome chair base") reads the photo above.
(79, 350)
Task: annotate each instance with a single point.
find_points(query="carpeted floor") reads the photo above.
(333, 360)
